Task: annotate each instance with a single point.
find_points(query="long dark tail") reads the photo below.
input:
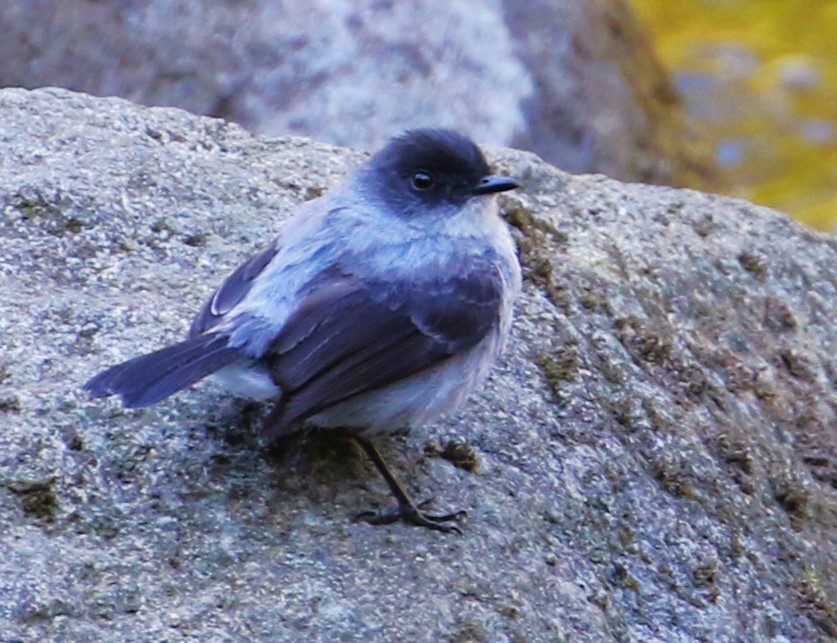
(147, 379)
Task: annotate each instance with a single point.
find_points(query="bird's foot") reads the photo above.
(413, 515)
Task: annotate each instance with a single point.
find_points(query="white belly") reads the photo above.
(249, 382)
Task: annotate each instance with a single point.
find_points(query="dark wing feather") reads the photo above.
(360, 337)
(147, 379)
(232, 291)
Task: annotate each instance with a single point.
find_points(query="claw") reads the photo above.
(413, 516)
(407, 511)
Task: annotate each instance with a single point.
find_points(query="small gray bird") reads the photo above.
(382, 303)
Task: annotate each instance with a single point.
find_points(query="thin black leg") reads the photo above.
(407, 509)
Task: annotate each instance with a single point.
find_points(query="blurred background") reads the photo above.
(734, 96)
(760, 79)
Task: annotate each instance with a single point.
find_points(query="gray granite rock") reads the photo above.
(575, 82)
(655, 456)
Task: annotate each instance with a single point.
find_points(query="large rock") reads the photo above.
(654, 456)
(574, 81)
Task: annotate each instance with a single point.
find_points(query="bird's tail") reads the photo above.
(147, 379)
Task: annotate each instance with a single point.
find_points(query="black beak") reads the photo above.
(491, 184)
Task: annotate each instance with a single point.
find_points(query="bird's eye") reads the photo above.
(422, 180)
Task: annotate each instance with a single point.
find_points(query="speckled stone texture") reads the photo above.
(653, 460)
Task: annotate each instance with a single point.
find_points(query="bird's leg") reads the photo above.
(407, 509)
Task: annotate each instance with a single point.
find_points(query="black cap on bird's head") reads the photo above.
(432, 167)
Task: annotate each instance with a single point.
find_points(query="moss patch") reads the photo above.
(37, 497)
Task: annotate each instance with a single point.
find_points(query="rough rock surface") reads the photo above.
(655, 456)
(575, 82)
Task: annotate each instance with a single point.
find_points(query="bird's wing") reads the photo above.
(349, 337)
(232, 291)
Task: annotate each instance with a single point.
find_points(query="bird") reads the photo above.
(381, 304)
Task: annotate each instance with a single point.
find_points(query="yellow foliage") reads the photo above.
(760, 77)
